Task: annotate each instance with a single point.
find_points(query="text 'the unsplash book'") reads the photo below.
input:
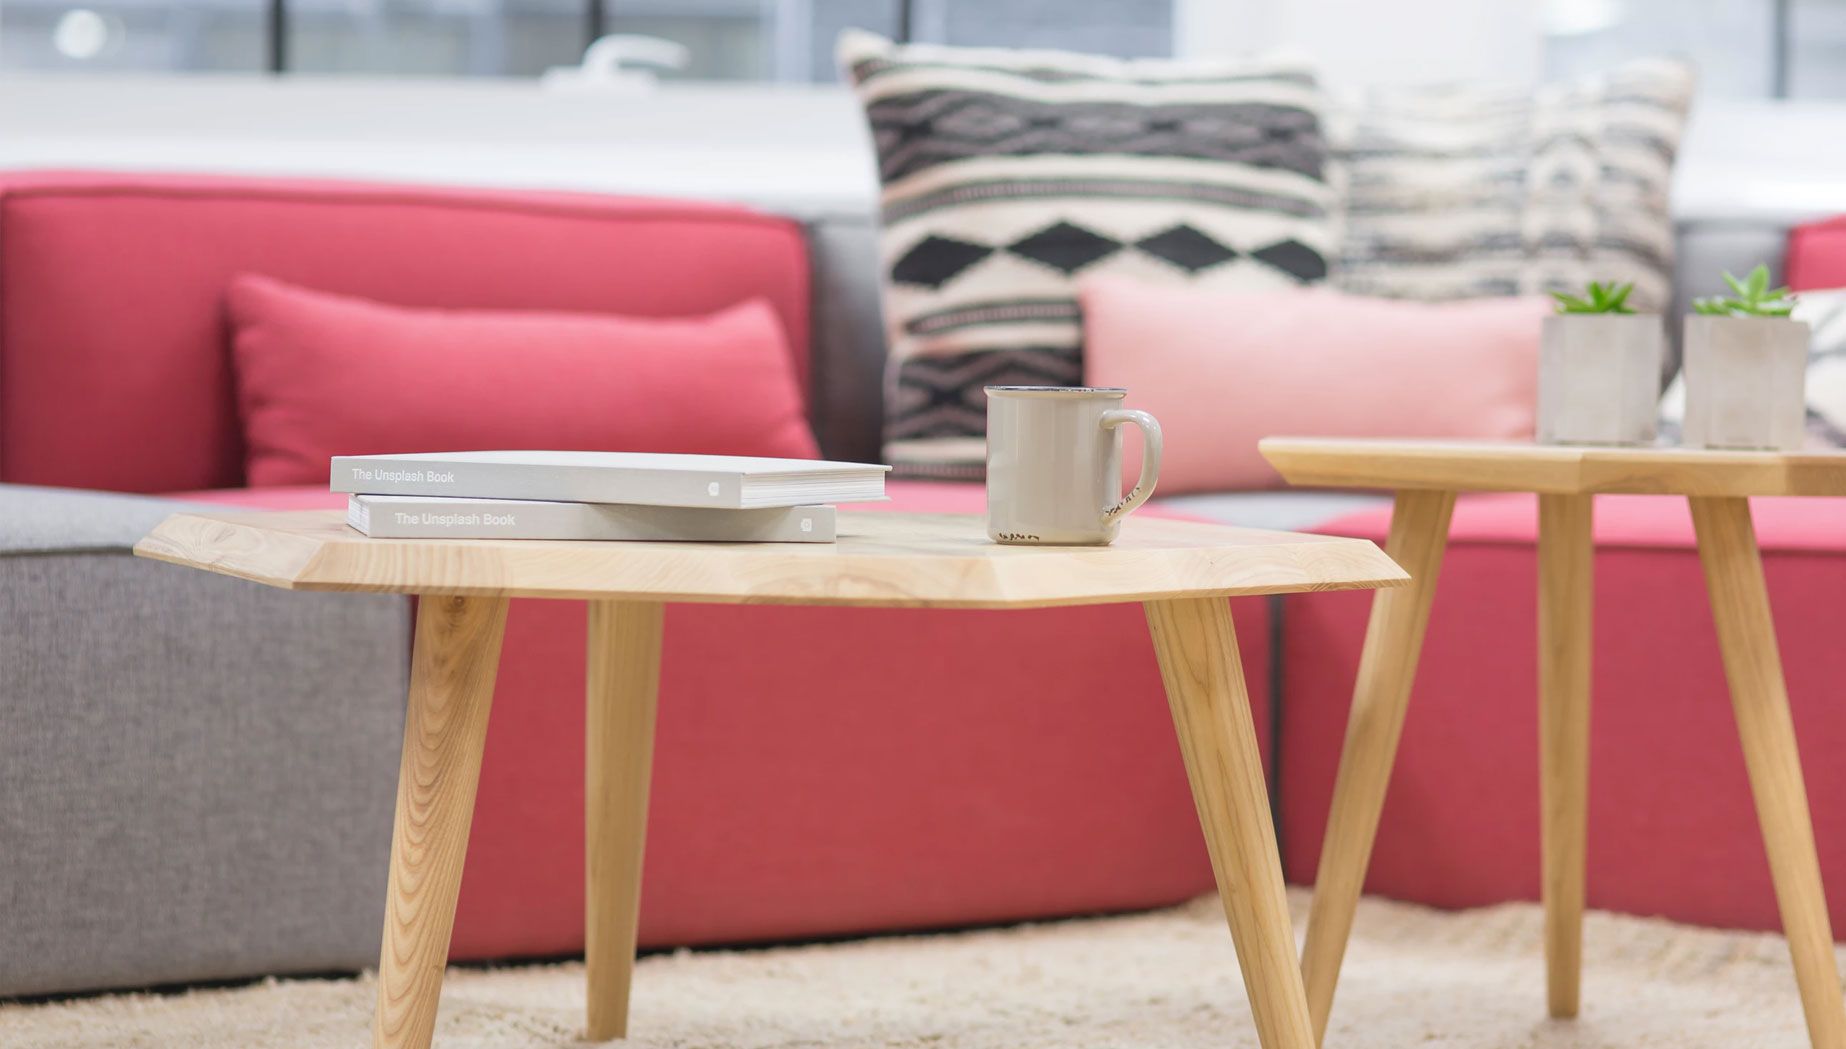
(434, 517)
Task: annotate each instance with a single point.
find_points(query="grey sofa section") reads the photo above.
(847, 351)
(68, 520)
(196, 773)
(1290, 510)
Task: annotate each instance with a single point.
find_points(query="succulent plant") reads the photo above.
(1751, 297)
(1602, 298)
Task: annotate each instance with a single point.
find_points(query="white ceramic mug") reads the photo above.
(1054, 463)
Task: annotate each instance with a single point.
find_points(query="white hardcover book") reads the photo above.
(728, 481)
(433, 517)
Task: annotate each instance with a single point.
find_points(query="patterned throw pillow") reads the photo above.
(1825, 314)
(1464, 191)
(1009, 174)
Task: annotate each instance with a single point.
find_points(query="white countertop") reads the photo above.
(800, 149)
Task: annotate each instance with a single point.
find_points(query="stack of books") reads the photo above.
(600, 495)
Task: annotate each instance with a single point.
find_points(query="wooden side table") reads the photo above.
(1181, 572)
(1426, 476)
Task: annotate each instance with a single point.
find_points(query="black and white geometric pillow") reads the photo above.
(1463, 191)
(1009, 175)
(1825, 314)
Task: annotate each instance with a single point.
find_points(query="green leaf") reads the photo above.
(1618, 302)
(1739, 288)
(1714, 306)
(1571, 304)
(1759, 281)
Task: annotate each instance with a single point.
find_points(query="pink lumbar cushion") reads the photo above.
(320, 375)
(1222, 370)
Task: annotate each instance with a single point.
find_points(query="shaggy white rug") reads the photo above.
(1165, 980)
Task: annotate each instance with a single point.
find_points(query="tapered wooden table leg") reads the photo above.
(445, 725)
(1387, 666)
(1753, 667)
(1211, 714)
(1566, 553)
(624, 684)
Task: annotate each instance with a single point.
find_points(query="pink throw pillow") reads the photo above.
(1221, 370)
(320, 375)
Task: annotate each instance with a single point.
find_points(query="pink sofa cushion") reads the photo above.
(320, 375)
(1817, 255)
(115, 360)
(1221, 370)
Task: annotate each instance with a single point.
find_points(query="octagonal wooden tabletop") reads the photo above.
(881, 559)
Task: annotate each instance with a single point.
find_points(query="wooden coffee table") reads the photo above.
(1180, 571)
(1427, 475)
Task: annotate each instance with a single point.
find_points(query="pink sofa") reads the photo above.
(942, 769)
(1672, 829)
(949, 768)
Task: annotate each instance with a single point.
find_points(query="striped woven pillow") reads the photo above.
(1463, 191)
(1008, 175)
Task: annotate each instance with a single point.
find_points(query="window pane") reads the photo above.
(1817, 49)
(1126, 28)
(131, 35)
(1732, 42)
(831, 16)
(435, 37)
(794, 39)
(728, 39)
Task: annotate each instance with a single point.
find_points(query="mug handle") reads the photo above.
(1150, 460)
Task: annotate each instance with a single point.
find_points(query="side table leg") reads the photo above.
(624, 684)
(1753, 666)
(445, 726)
(1566, 554)
(1211, 714)
(1387, 666)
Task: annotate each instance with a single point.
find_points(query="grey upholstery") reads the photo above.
(195, 771)
(848, 348)
(67, 520)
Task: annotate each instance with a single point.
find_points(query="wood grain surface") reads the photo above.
(445, 728)
(1490, 466)
(1217, 738)
(623, 694)
(1759, 698)
(881, 559)
(1381, 695)
(1566, 586)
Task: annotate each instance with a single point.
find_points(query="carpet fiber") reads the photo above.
(1414, 978)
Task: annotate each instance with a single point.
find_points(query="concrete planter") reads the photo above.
(1599, 378)
(1746, 383)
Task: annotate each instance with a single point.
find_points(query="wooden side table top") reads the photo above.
(881, 559)
(1505, 466)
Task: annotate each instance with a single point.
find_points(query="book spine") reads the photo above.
(385, 517)
(576, 484)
